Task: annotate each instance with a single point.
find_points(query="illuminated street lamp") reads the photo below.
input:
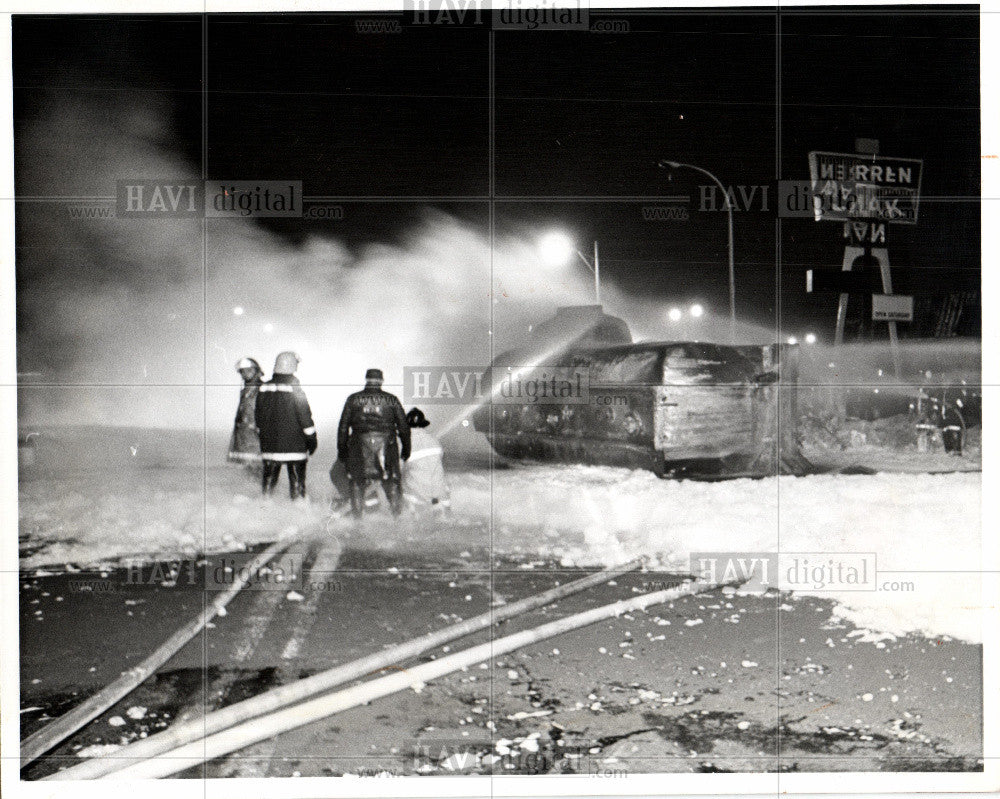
(674, 314)
(557, 249)
(729, 207)
(810, 338)
(697, 311)
(792, 340)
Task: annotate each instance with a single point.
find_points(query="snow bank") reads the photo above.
(924, 530)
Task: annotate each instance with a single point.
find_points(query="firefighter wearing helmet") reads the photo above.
(952, 425)
(424, 484)
(367, 444)
(244, 444)
(287, 432)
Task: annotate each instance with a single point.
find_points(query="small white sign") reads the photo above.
(892, 308)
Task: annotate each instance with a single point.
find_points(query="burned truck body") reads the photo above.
(676, 408)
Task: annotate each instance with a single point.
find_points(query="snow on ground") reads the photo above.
(101, 495)
(894, 460)
(914, 523)
(97, 496)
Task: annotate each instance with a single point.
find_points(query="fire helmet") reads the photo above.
(374, 375)
(286, 363)
(248, 363)
(416, 418)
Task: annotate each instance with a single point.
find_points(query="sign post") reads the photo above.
(866, 192)
(851, 254)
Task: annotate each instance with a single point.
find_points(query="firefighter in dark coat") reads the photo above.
(952, 425)
(244, 445)
(287, 432)
(366, 442)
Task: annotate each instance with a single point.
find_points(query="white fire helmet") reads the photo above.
(248, 363)
(286, 363)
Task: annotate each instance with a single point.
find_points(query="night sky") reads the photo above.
(571, 116)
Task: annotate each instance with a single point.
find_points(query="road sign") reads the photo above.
(852, 186)
(865, 233)
(862, 281)
(904, 279)
(892, 308)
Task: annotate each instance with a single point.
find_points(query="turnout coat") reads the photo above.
(287, 432)
(372, 419)
(423, 475)
(244, 444)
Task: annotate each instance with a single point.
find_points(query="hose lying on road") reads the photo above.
(39, 742)
(259, 729)
(195, 730)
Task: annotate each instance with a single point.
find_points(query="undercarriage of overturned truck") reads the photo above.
(679, 408)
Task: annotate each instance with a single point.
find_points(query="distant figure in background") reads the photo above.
(366, 442)
(424, 484)
(952, 425)
(287, 432)
(244, 444)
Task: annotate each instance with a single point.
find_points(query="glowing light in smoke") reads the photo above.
(792, 340)
(268, 328)
(556, 248)
(674, 314)
(238, 310)
(697, 311)
(810, 338)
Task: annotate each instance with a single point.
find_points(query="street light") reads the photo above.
(697, 311)
(556, 249)
(810, 338)
(729, 207)
(674, 314)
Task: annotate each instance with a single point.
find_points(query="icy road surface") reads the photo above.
(98, 496)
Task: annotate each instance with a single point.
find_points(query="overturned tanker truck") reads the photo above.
(678, 408)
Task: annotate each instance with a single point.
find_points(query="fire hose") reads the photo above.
(195, 730)
(38, 743)
(264, 727)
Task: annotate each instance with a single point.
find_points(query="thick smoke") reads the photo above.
(147, 306)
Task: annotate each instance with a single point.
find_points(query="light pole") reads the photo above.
(557, 249)
(729, 208)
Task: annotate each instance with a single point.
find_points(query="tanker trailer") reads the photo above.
(678, 408)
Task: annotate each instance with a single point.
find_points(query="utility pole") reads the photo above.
(597, 275)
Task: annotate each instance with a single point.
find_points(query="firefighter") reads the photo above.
(287, 432)
(372, 421)
(423, 478)
(952, 426)
(244, 444)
